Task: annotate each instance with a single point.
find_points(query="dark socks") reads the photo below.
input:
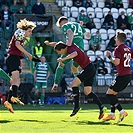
(112, 109)
(14, 90)
(9, 96)
(76, 96)
(96, 100)
(114, 101)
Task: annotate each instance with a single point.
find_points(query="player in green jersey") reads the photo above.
(74, 35)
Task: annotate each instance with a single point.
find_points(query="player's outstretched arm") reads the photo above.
(52, 44)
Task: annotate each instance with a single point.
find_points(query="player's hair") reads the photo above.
(25, 24)
(60, 45)
(62, 18)
(121, 36)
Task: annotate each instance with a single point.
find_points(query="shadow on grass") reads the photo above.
(5, 121)
(125, 125)
(35, 121)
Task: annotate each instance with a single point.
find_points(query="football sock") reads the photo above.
(14, 90)
(42, 98)
(96, 100)
(36, 97)
(112, 109)
(4, 74)
(9, 96)
(114, 101)
(76, 96)
(58, 73)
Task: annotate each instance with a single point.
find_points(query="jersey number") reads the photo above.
(127, 60)
(77, 30)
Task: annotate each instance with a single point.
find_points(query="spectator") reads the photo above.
(90, 24)
(112, 44)
(20, 2)
(88, 3)
(122, 21)
(38, 50)
(110, 4)
(129, 40)
(82, 18)
(41, 74)
(100, 66)
(21, 11)
(78, 3)
(3, 91)
(38, 8)
(95, 42)
(130, 21)
(108, 21)
(6, 18)
(130, 4)
(119, 4)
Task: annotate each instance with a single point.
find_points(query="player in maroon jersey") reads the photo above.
(86, 75)
(15, 54)
(122, 56)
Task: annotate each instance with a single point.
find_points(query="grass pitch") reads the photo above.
(55, 119)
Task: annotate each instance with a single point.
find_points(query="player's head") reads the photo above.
(27, 26)
(42, 58)
(61, 48)
(61, 21)
(120, 37)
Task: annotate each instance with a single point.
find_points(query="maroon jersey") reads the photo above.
(124, 53)
(81, 59)
(13, 50)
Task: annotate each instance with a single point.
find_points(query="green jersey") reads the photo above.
(78, 31)
(42, 71)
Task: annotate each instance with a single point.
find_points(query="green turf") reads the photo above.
(55, 119)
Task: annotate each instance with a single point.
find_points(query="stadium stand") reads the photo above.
(66, 8)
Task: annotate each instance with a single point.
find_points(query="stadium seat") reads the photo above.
(61, 3)
(129, 10)
(122, 9)
(74, 11)
(82, 8)
(94, 4)
(101, 4)
(91, 54)
(14, 8)
(65, 11)
(100, 80)
(115, 13)
(91, 10)
(106, 42)
(108, 79)
(105, 11)
(88, 31)
(99, 53)
(97, 23)
(29, 9)
(103, 46)
(128, 31)
(93, 31)
(69, 3)
(98, 12)
(86, 44)
(125, 3)
(8, 33)
(71, 19)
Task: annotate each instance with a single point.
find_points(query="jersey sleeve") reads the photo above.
(71, 50)
(117, 53)
(132, 54)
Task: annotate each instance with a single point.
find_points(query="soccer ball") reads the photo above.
(19, 34)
